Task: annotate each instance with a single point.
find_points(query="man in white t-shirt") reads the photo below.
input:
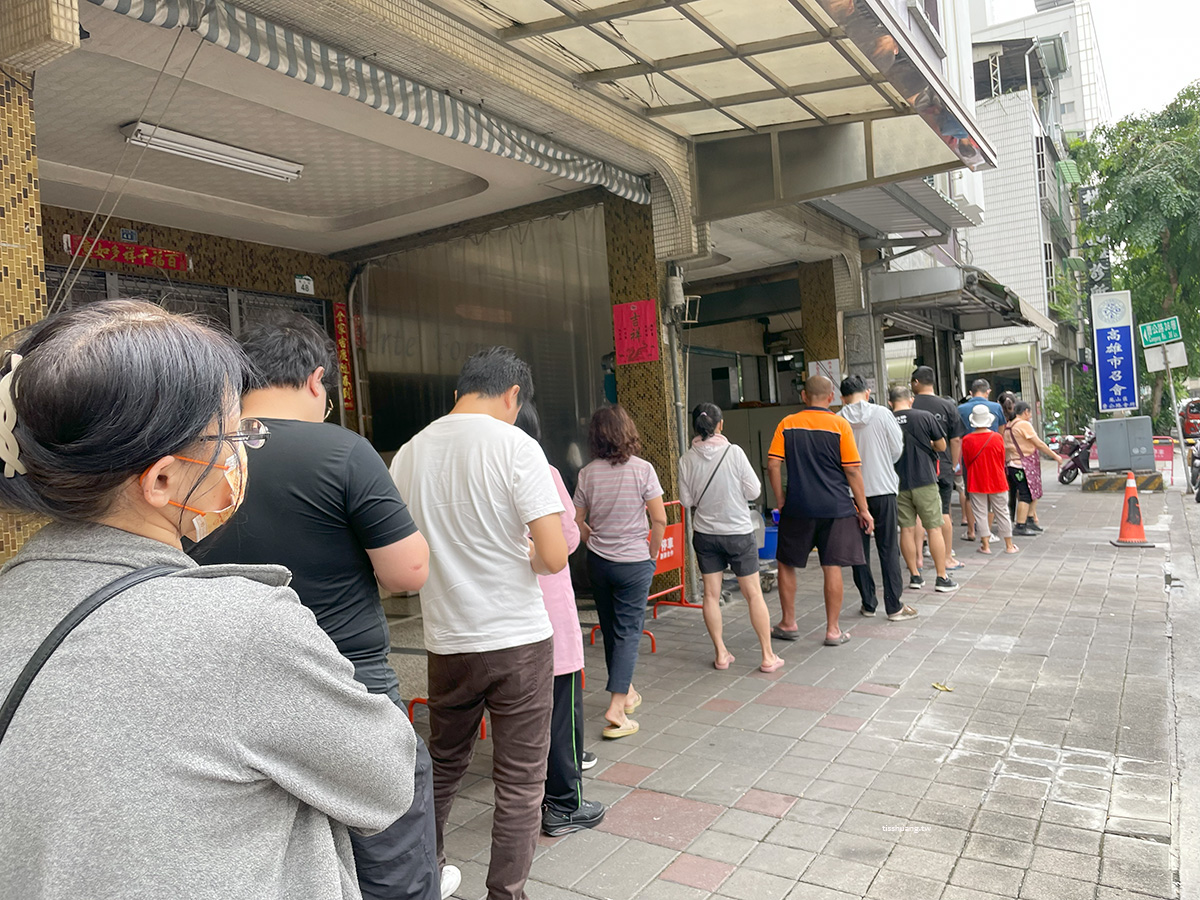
(476, 486)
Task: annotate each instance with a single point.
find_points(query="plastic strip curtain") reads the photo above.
(300, 57)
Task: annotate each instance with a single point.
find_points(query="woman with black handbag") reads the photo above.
(167, 730)
(716, 484)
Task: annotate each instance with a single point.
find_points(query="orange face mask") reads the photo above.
(206, 521)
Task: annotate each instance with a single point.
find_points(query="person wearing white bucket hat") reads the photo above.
(987, 486)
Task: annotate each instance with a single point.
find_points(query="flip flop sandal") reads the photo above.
(837, 641)
(716, 665)
(986, 552)
(612, 732)
(632, 706)
(958, 564)
(777, 632)
(772, 666)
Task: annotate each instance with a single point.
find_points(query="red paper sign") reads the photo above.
(130, 254)
(341, 331)
(670, 551)
(635, 332)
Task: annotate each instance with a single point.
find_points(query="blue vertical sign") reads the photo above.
(1116, 365)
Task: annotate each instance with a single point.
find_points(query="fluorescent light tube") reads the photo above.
(145, 134)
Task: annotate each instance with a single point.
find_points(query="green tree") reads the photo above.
(1147, 171)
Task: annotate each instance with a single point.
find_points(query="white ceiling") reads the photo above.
(367, 177)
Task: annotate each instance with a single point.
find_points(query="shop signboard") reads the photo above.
(341, 336)
(129, 254)
(635, 332)
(1116, 365)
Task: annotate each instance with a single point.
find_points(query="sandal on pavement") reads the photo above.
(958, 564)
(837, 641)
(716, 665)
(777, 632)
(771, 667)
(612, 732)
(630, 707)
(981, 550)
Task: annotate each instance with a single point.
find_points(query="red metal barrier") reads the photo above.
(412, 704)
(671, 559)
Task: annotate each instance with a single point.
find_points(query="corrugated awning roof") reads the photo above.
(708, 68)
(910, 208)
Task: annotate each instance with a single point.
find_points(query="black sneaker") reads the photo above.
(946, 585)
(1034, 526)
(1023, 530)
(589, 815)
(589, 760)
(916, 582)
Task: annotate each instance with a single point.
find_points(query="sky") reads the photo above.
(1148, 47)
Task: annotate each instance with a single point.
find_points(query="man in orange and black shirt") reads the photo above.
(825, 505)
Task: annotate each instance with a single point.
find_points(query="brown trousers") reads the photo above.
(516, 687)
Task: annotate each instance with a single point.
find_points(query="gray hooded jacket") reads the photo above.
(880, 443)
(197, 736)
(724, 508)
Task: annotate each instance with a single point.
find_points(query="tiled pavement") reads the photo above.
(1046, 773)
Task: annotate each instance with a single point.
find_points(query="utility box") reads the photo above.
(1125, 444)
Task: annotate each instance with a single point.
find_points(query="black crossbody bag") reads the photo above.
(72, 619)
(692, 509)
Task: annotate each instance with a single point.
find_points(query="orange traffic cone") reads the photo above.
(1133, 533)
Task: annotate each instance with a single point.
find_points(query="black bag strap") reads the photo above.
(72, 619)
(696, 505)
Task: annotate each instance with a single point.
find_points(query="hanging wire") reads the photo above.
(68, 282)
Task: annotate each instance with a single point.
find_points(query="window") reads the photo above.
(1040, 153)
(931, 13)
(1067, 109)
(1048, 258)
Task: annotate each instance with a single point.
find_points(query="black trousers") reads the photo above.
(564, 775)
(887, 544)
(400, 863)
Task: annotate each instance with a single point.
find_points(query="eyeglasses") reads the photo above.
(251, 432)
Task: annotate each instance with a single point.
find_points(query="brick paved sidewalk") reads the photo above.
(1047, 773)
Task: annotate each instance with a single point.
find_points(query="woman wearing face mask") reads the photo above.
(197, 734)
(716, 482)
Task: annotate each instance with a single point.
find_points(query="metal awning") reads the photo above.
(912, 208)
(798, 80)
(974, 300)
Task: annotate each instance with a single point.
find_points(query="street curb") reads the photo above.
(1183, 593)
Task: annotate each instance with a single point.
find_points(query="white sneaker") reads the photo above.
(451, 879)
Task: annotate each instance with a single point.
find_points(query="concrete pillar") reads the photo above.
(821, 328)
(645, 389)
(22, 279)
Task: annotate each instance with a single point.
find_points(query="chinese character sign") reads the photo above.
(1116, 365)
(670, 552)
(341, 336)
(635, 332)
(130, 254)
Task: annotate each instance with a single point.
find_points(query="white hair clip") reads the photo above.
(10, 451)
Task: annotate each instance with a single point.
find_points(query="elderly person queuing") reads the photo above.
(987, 486)
(191, 731)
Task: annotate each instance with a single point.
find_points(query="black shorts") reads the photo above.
(946, 491)
(714, 552)
(839, 542)
(1018, 483)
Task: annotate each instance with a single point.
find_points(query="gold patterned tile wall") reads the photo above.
(22, 286)
(35, 32)
(819, 316)
(644, 389)
(214, 260)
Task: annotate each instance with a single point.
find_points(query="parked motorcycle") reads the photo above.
(1078, 455)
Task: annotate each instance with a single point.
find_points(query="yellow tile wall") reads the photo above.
(22, 287)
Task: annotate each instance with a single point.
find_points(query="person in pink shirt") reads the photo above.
(564, 810)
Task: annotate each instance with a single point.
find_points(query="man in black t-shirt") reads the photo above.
(319, 501)
(946, 412)
(917, 467)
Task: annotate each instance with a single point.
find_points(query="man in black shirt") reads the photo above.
(946, 412)
(924, 438)
(320, 501)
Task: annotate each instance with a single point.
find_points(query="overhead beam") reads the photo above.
(583, 17)
(836, 84)
(718, 54)
(897, 193)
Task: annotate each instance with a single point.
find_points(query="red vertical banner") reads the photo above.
(341, 335)
(635, 332)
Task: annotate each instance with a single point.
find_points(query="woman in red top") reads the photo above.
(987, 485)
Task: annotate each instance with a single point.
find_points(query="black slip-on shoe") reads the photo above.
(589, 815)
